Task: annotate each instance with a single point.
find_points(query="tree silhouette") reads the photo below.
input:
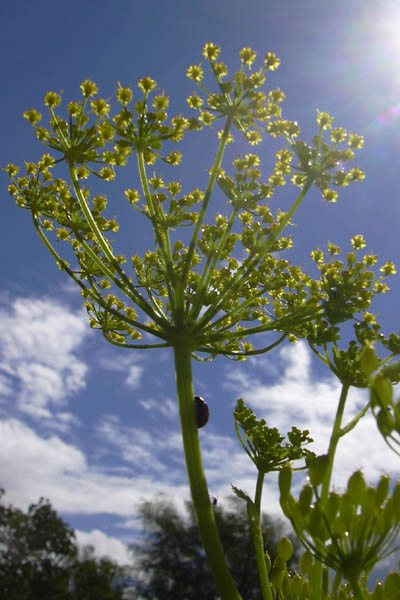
(39, 559)
(170, 560)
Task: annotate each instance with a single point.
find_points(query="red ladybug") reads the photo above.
(202, 411)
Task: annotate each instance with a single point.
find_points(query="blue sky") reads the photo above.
(95, 428)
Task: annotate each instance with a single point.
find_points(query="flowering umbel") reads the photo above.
(203, 289)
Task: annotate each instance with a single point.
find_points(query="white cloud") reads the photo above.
(167, 407)
(134, 375)
(145, 450)
(104, 545)
(32, 466)
(126, 364)
(39, 341)
(295, 397)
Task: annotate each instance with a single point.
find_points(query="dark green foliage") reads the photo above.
(36, 551)
(96, 578)
(170, 561)
(39, 559)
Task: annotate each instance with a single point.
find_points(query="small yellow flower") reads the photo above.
(292, 129)
(253, 137)
(106, 131)
(180, 122)
(276, 95)
(30, 168)
(370, 260)
(273, 110)
(157, 183)
(48, 225)
(46, 162)
(271, 61)
(317, 256)
(355, 141)
(276, 180)
(195, 101)
(146, 84)
(324, 120)
(195, 73)
(358, 242)
(369, 318)
(338, 134)
(100, 107)
(206, 118)
(88, 88)
(211, 51)
(105, 284)
(99, 203)
(73, 108)
(132, 196)
(356, 174)
(33, 116)
(247, 56)
(220, 69)
(380, 287)
(341, 178)
(174, 158)
(298, 180)
(82, 173)
(174, 187)
(256, 80)
(333, 249)
(160, 102)
(52, 99)
(330, 195)
(107, 174)
(388, 268)
(252, 160)
(11, 169)
(124, 95)
(347, 154)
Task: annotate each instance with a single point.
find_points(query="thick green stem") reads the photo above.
(198, 485)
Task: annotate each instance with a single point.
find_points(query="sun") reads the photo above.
(372, 53)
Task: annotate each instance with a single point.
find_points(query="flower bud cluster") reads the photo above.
(263, 444)
(348, 532)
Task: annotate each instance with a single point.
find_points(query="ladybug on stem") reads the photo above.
(202, 411)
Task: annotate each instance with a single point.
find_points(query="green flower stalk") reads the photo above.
(208, 296)
(263, 445)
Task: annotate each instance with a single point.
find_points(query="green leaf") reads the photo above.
(305, 499)
(306, 562)
(392, 371)
(392, 586)
(356, 488)
(285, 549)
(381, 391)
(317, 468)
(382, 490)
(369, 360)
(285, 482)
(240, 494)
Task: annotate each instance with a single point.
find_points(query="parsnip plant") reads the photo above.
(212, 294)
